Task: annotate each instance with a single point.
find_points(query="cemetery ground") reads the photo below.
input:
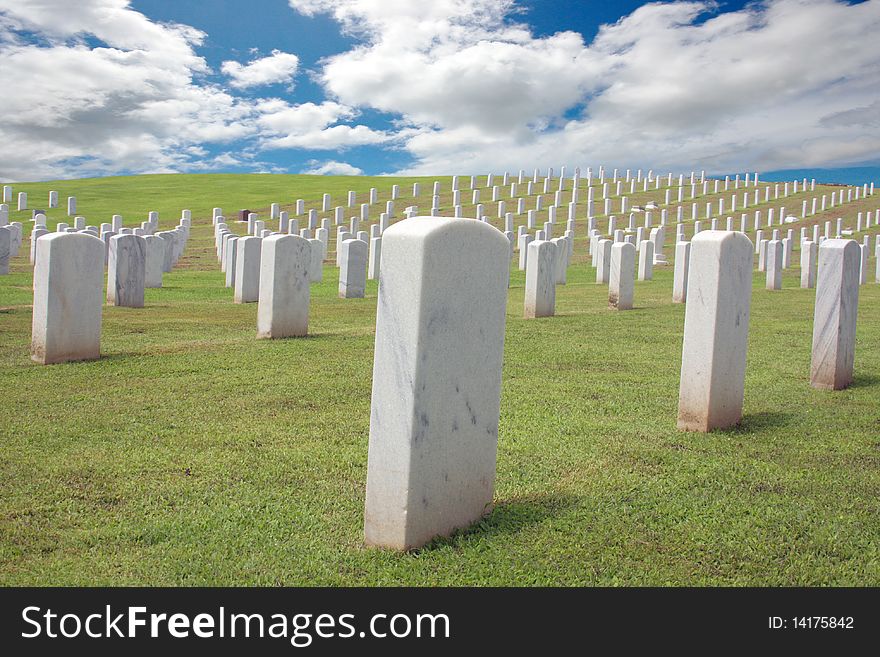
(192, 453)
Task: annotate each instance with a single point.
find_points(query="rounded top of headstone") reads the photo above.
(422, 226)
(125, 237)
(734, 238)
(839, 243)
(68, 238)
(275, 237)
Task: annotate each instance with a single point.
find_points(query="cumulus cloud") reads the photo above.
(279, 67)
(133, 103)
(95, 87)
(777, 84)
(309, 126)
(333, 168)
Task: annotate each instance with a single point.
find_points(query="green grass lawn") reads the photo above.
(194, 454)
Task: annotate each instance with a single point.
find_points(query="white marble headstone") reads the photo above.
(68, 286)
(436, 379)
(126, 271)
(283, 307)
(836, 310)
(246, 287)
(716, 330)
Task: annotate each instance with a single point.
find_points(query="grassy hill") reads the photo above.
(194, 454)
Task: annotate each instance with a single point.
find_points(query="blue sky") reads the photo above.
(450, 86)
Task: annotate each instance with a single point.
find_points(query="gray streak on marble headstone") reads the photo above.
(834, 320)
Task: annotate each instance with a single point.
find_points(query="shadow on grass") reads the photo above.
(757, 421)
(508, 517)
(864, 381)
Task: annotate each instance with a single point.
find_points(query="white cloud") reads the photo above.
(279, 67)
(777, 84)
(333, 168)
(309, 126)
(453, 63)
(136, 104)
(94, 87)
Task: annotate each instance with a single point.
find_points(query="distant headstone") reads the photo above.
(603, 261)
(283, 308)
(680, 272)
(646, 260)
(622, 278)
(316, 270)
(246, 288)
(375, 258)
(809, 263)
(36, 234)
(68, 285)
(126, 271)
(229, 255)
(540, 296)
(353, 269)
(834, 320)
(5, 249)
(773, 263)
(155, 261)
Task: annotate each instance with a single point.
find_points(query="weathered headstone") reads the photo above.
(436, 380)
(834, 320)
(680, 272)
(375, 258)
(5, 249)
(353, 269)
(524, 240)
(36, 234)
(16, 234)
(646, 260)
(773, 263)
(126, 270)
(540, 297)
(283, 307)
(155, 260)
(68, 284)
(229, 255)
(246, 287)
(716, 331)
(622, 280)
(316, 260)
(169, 238)
(809, 262)
(603, 261)
(561, 262)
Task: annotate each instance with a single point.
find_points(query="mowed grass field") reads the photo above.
(194, 454)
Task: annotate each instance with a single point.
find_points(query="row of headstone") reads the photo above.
(68, 283)
(425, 480)
(22, 200)
(326, 200)
(440, 328)
(718, 271)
